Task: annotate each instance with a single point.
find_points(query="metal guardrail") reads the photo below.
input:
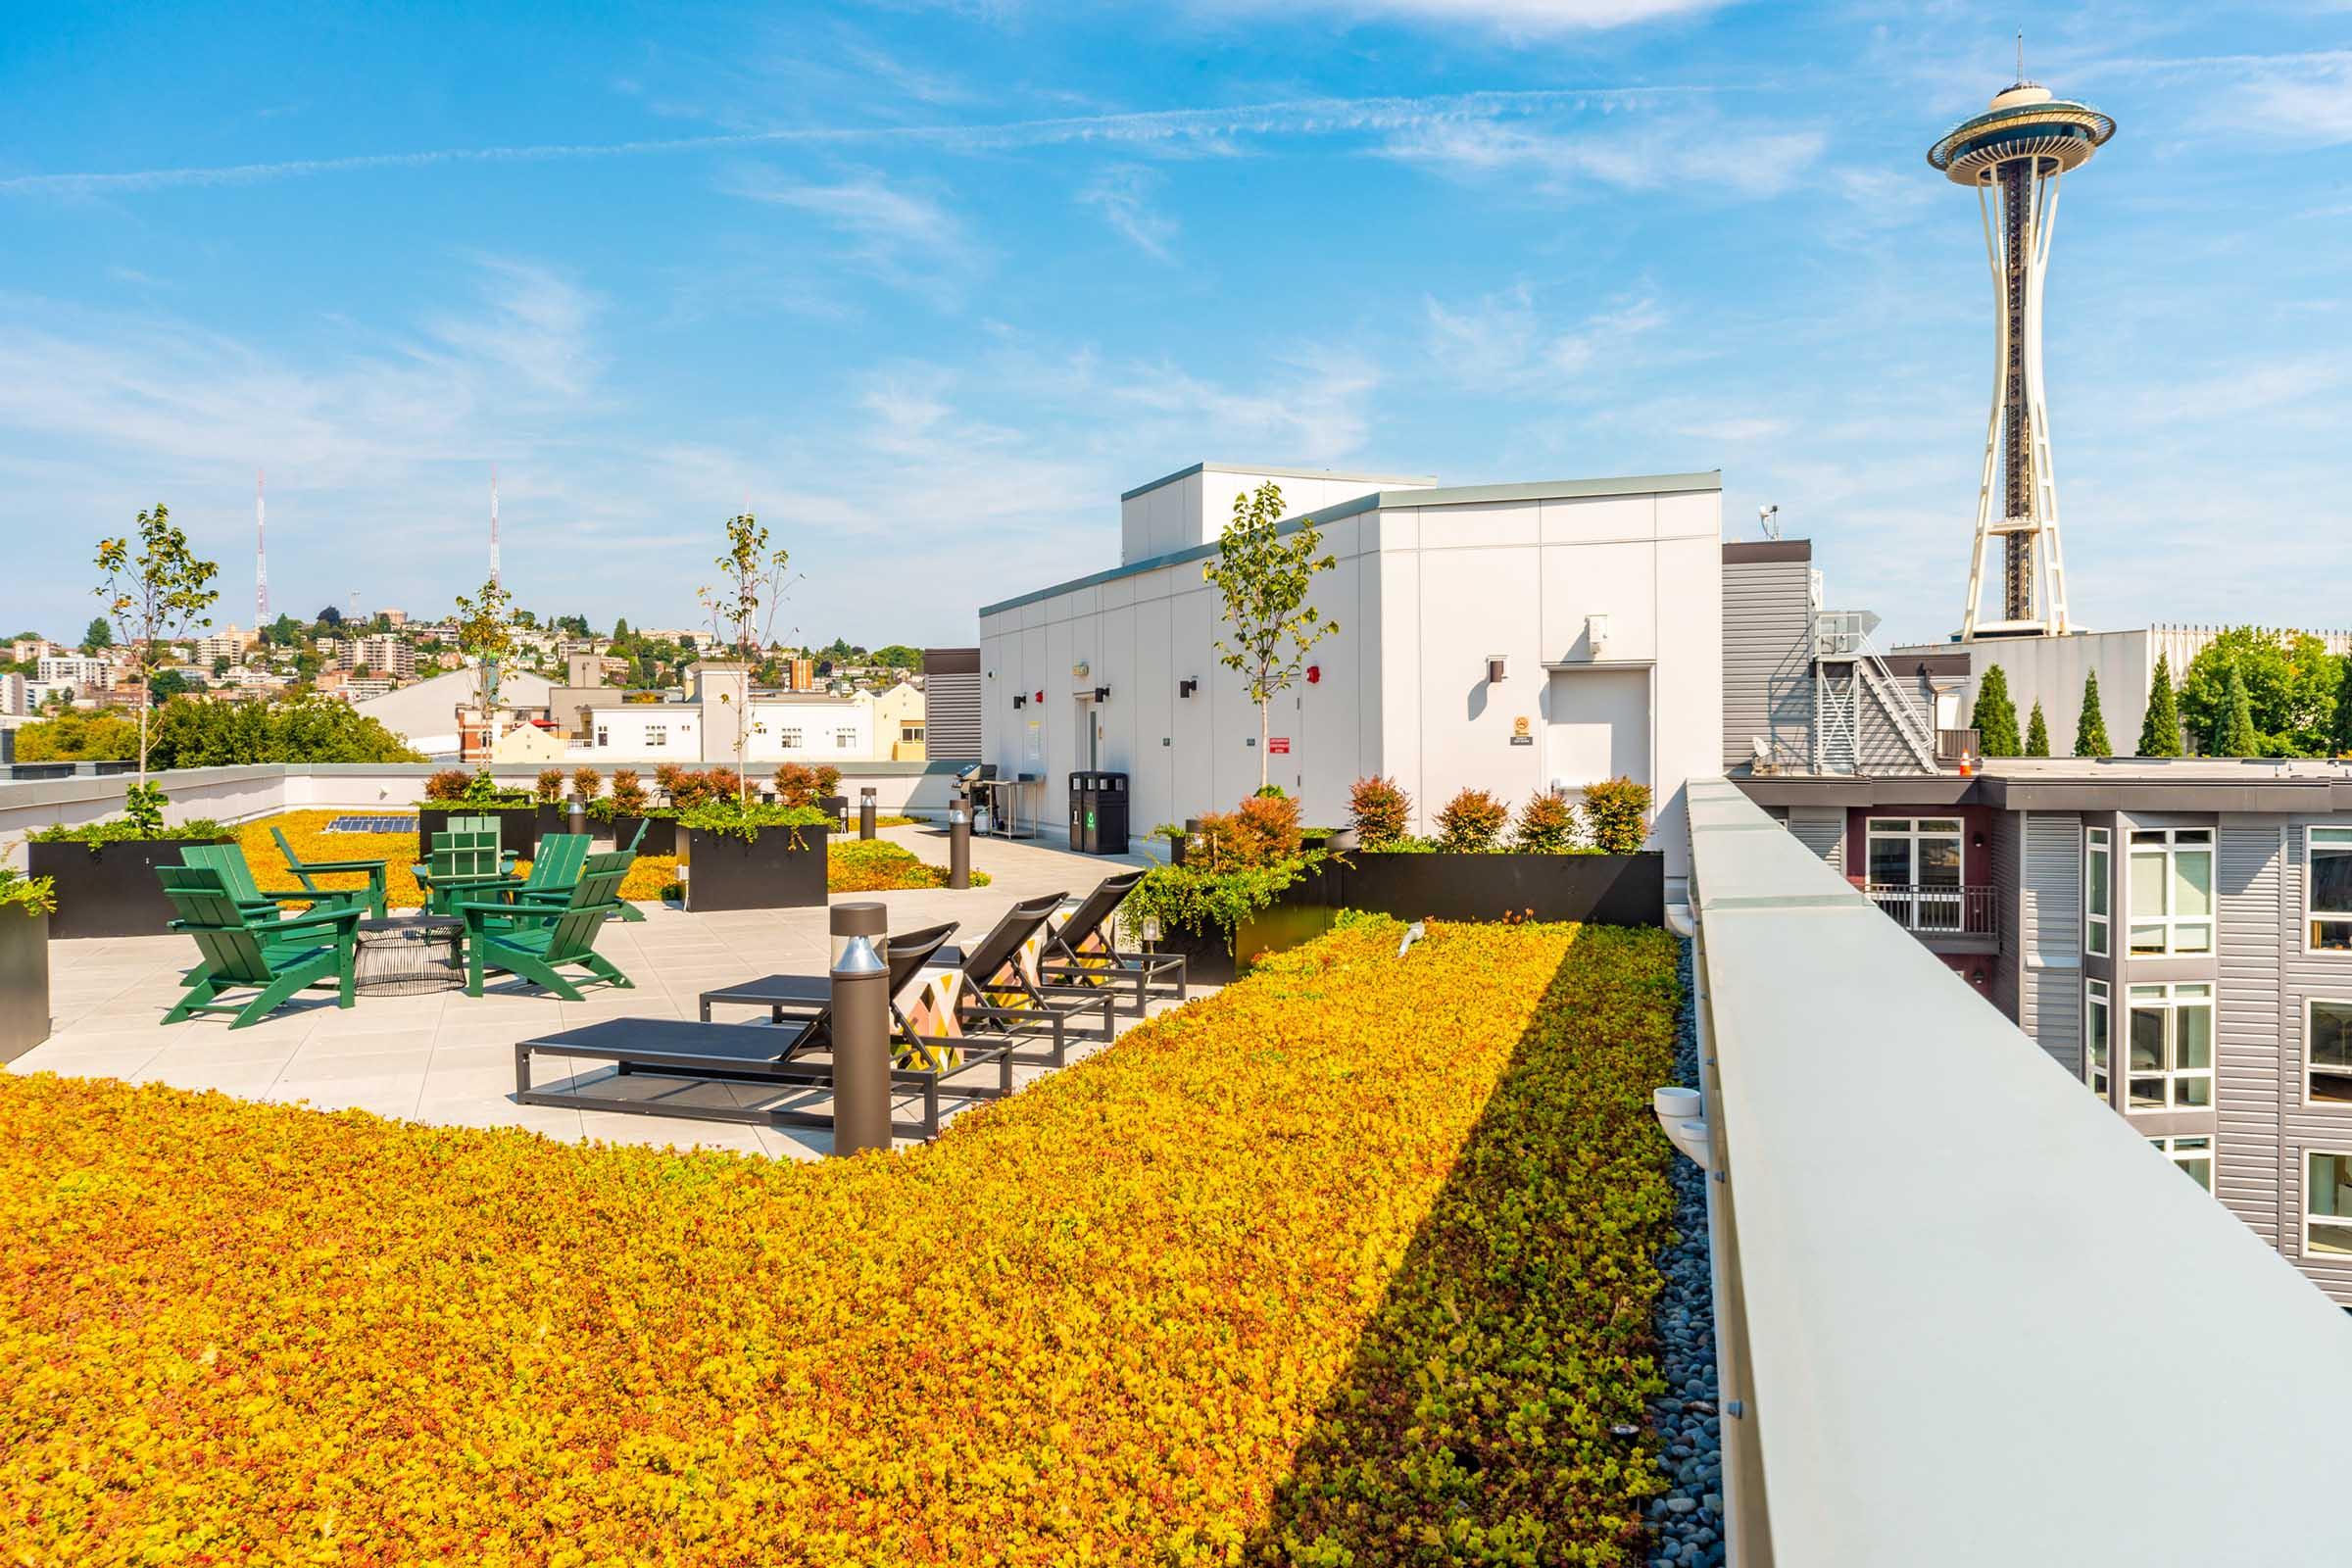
(1953, 745)
(1930, 910)
(1928, 1237)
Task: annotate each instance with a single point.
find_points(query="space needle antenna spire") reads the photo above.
(2014, 155)
(494, 523)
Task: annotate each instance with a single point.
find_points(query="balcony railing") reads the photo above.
(1916, 1216)
(1932, 912)
(1951, 745)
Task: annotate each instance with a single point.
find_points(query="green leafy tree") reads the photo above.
(486, 630)
(2290, 682)
(1265, 579)
(167, 684)
(2037, 733)
(621, 631)
(330, 616)
(2237, 737)
(314, 730)
(743, 605)
(2339, 729)
(898, 656)
(97, 636)
(155, 589)
(2091, 730)
(283, 632)
(1996, 715)
(2159, 729)
(73, 736)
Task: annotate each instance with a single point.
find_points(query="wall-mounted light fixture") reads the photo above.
(1597, 635)
(1498, 667)
(1185, 688)
(1102, 694)
(1018, 701)
(1314, 674)
(1976, 841)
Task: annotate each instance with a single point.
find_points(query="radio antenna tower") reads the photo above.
(261, 555)
(2014, 155)
(494, 523)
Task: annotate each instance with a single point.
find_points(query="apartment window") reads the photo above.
(657, 735)
(845, 740)
(2171, 889)
(604, 736)
(2327, 879)
(910, 733)
(2328, 1051)
(2171, 1043)
(2328, 1203)
(1915, 871)
(790, 738)
(2098, 883)
(2098, 1035)
(2192, 1154)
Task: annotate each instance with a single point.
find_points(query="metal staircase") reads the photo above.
(1845, 663)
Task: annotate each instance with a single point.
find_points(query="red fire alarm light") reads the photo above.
(1314, 673)
(1039, 698)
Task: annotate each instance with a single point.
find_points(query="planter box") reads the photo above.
(109, 890)
(518, 826)
(661, 834)
(723, 873)
(24, 983)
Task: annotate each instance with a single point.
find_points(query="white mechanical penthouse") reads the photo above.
(2014, 154)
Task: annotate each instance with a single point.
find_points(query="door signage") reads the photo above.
(1278, 745)
(1519, 734)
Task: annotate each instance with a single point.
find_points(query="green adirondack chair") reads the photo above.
(274, 959)
(556, 867)
(555, 888)
(463, 862)
(493, 824)
(536, 943)
(228, 861)
(306, 871)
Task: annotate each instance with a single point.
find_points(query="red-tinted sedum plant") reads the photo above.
(447, 784)
(587, 783)
(550, 786)
(1379, 810)
(1471, 822)
(1546, 825)
(1616, 815)
(629, 796)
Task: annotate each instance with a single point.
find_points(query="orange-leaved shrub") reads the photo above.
(1471, 821)
(1616, 815)
(586, 782)
(796, 784)
(1379, 810)
(1261, 830)
(447, 784)
(548, 788)
(628, 795)
(1546, 825)
(1158, 1323)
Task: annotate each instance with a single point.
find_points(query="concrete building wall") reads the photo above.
(1423, 591)
(1192, 505)
(2051, 670)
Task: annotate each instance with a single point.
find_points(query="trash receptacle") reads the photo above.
(1106, 825)
(1082, 811)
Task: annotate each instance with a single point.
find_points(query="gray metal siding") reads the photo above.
(2247, 1059)
(2050, 935)
(952, 715)
(2002, 844)
(1766, 662)
(1821, 829)
(2301, 976)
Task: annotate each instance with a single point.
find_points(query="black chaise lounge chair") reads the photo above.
(1083, 954)
(1000, 997)
(669, 1067)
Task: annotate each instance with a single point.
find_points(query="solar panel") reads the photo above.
(372, 824)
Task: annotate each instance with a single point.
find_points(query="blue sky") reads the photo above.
(928, 285)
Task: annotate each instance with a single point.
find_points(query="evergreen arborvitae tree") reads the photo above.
(2238, 737)
(1996, 716)
(2037, 733)
(2160, 731)
(2091, 730)
(2339, 732)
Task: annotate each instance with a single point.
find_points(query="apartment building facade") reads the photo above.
(2176, 933)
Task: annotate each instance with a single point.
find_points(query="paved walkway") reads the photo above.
(449, 1058)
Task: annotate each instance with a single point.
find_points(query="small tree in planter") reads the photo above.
(797, 784)
(669, 778)
(485, 629)
(628, 797)
(1471, 822)
(447, 784)
(1380, 810)
(743, 610)
(587, 784)
(548, 789)
(159, 592)
(1264, 581)
(1616, 814)
(1546, 825)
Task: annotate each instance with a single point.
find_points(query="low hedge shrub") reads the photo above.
(1350, 1263)
(872, 865)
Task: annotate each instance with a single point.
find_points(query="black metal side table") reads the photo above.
(410, 956)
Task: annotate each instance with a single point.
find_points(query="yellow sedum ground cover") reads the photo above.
(1350, 1263)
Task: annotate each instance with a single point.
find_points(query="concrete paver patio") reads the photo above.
(449, 1058)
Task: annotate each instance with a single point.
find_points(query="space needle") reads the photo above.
(2015, 154)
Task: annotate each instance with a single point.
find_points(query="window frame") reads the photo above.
(2099, 997)
(2099, 843)
(845, 740)
(657, 735)
(2343, 1221)
(2172, 1075)
(2171, 920)
(2168, 1144)
(1910, 907)
(2339, 840)
(789, 739)
(2310, 1005)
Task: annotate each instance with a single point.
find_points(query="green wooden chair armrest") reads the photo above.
(474, 913)
(290, 895)
(348, 914)
(343, 866)
(470, 879)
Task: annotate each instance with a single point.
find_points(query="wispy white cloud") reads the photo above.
(1144, 128)
(1122, 194)
(1502, 343)
(1513, 18)
(901, 233)
(534, 324)
(2303, 98)
(1749, 160)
